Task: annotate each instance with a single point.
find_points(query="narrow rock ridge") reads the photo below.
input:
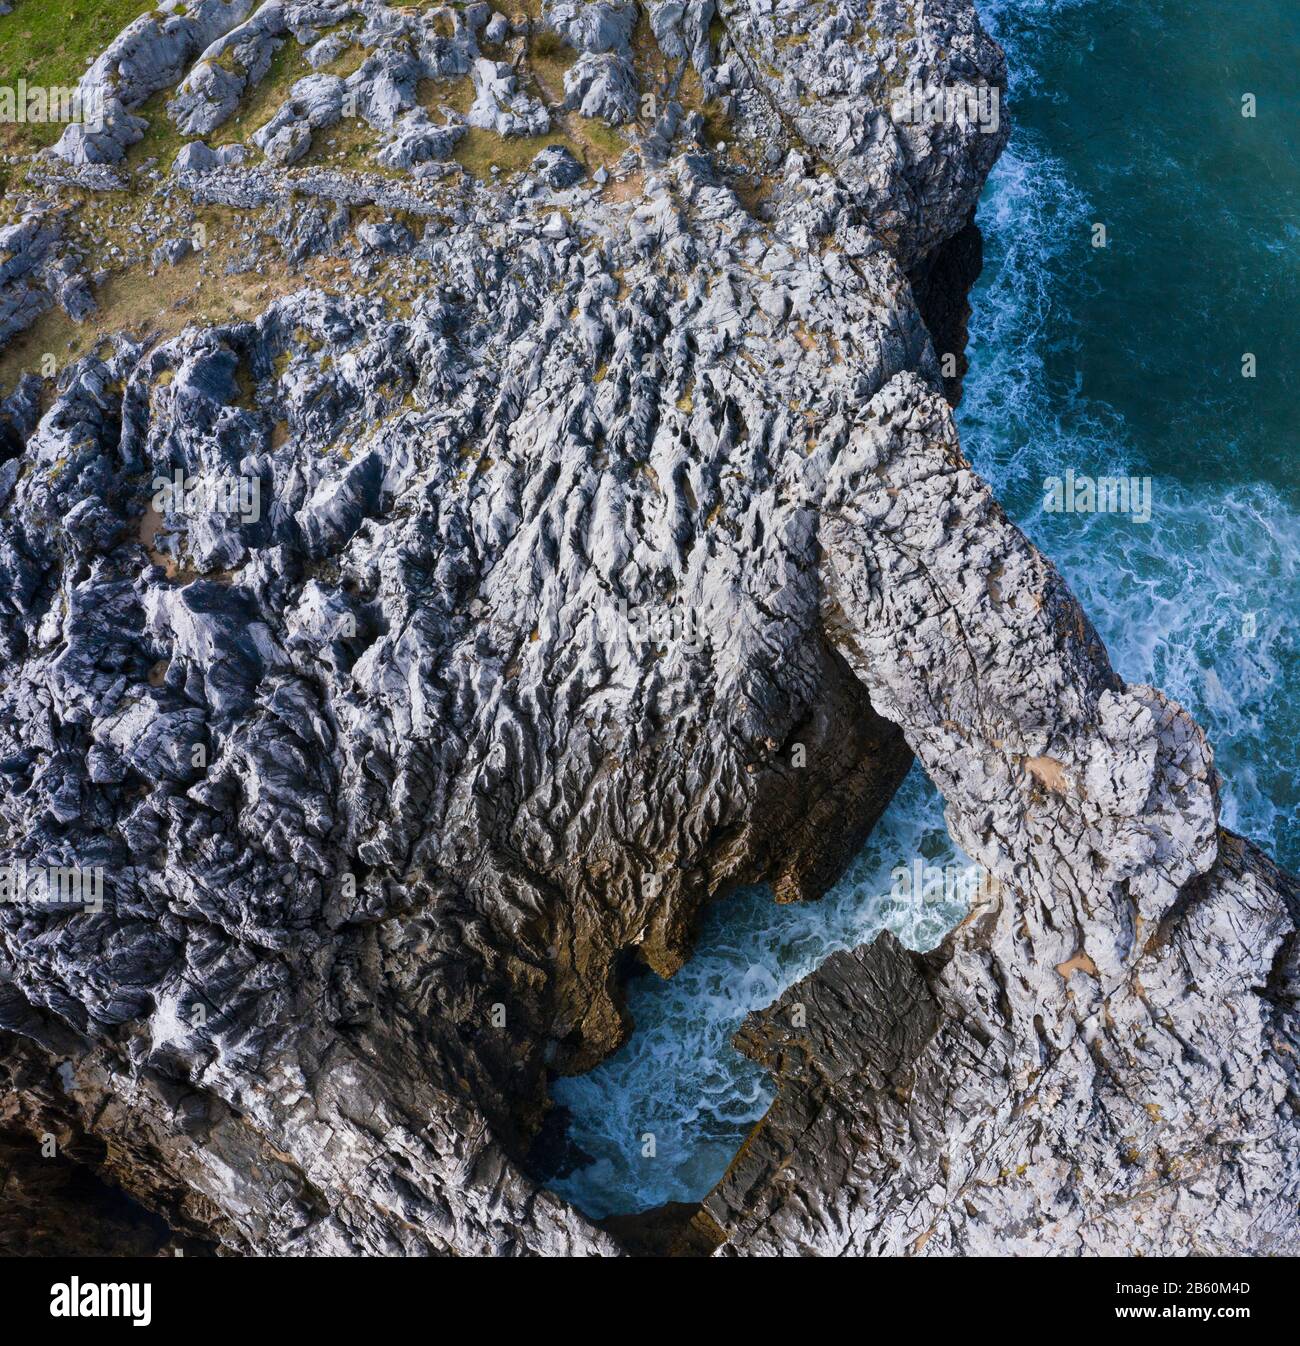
(600, 543)
(1102, 1058)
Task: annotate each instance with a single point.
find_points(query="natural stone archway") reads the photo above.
(603, 544)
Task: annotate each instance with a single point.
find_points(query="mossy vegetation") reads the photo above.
(260, 103)
(47, 42)
(605, 142)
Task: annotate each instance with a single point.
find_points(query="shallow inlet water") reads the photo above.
(678, 1077)
(1118, 361)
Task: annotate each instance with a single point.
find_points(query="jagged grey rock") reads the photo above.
(557, 167)
(314, 104)
(1102, 1058)
(501, 106)
(196, 157)
(602, 86)
(172, 250)
(417, 139)
(593, 27)
(403, 668)
(37, 271)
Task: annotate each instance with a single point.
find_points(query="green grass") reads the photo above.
(478, 150)
(435, 94)
(550, 60)
(587, 139)
(606, 144)
(262, 102)
(46, 42)
(354, 146)
(162, 140)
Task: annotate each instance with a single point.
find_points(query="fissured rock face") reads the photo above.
(399, 660)
(1102, 1058)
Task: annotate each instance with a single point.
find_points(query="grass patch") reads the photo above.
(753, 192)
(262, 102)
(691, 95)
(590, 141)
(196, 290)
(162, 141)
(346, 63)
(354, 146)
(548, 45)
(550, 58)
(46, 42)
(716, 125)
(603, 143)
(479, 151)
(435, 94)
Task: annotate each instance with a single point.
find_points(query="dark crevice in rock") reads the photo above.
(553, 1153)
(941, 285)
(64, 1188)
(58, 1206)
(676, 1229)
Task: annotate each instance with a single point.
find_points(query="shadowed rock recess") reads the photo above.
(602, 541)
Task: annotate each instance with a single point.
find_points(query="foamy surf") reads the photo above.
(678, 1079)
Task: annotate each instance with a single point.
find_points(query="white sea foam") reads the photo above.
(1198, 601)
(1200, 606)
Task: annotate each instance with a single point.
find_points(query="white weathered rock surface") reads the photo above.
(575, 592)
(1102, 1059)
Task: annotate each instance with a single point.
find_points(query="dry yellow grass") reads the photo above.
(196, 290)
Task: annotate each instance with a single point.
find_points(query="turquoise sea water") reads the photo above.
(1127, 361)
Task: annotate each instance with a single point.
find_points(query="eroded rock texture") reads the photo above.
(1103, 1057)
(619, 552)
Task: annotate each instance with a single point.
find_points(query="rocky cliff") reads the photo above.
(527, 510)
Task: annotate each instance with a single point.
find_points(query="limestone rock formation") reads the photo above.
(37, 271)
(1101, 1059)
(555, 550)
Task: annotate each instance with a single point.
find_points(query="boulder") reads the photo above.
(557, 167)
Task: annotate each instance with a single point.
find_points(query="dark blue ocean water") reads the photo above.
(1123, 360)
